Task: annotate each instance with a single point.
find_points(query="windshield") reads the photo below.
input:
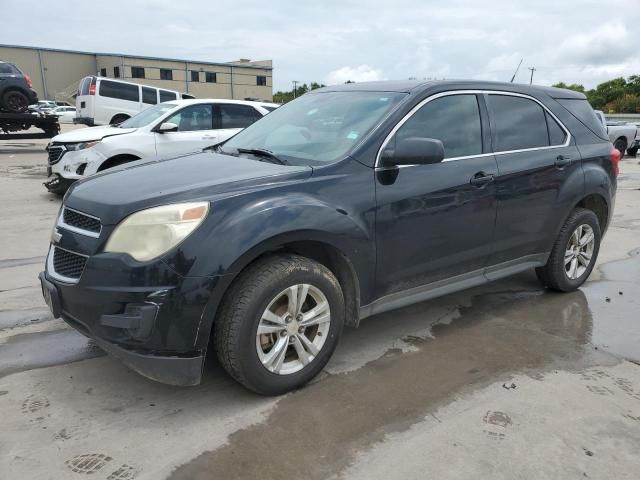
(147, 116)
(316, 128)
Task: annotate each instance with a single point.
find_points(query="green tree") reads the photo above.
(284, 97)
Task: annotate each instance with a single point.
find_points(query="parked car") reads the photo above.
(105, 101)
(621, 134)
(162, 131)
(347, 202)
(43, 106)
(16, 93)
(64, 114)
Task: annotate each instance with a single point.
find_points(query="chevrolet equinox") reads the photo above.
(349, 201)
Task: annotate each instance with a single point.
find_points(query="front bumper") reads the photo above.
(147, 316)
(56, 183)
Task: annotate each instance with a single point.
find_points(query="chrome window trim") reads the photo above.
(61, 223)
(474, 92)
(51, 269)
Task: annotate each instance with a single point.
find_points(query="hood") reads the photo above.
(89, 134)
(113, 195)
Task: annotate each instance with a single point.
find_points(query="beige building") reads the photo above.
(57, 73)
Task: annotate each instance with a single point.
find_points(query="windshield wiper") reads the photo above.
(263, 152)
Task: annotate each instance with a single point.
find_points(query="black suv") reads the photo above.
(15, 89)
(347, 202)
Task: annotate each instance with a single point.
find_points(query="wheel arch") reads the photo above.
(316, 248)
(117, 160)
(125, 116)
(598, 204)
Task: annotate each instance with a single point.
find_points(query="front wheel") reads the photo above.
(279, 323)
(574, 253)
(621, 146)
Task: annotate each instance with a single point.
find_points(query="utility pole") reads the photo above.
(533, 69)
(295, 87)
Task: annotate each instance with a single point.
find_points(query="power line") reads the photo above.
(533, 69)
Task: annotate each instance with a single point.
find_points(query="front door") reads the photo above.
(195, 131)
(434, 222)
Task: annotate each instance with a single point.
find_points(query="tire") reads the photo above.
(118, 119)
(621, 145)
(243, 310)
(15, 101)
(632, 151)
(554, 274)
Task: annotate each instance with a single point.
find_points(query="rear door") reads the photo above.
(195, 131)
(536, 158)
(232, 118)
(85, 100)
(435, 222)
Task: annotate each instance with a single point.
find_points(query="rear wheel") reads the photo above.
(279, 323)
(15, 101)
(118, 119)
(574, 254)
(621, 146)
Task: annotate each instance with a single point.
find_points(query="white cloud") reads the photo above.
(361, 73)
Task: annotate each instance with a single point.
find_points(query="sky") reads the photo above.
(328, 41)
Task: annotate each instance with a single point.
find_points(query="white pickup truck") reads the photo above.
(624, 136)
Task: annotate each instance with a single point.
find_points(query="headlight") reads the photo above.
(150, 233)
(72, 147)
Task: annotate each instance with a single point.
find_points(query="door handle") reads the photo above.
(481, 179)
(562, 161)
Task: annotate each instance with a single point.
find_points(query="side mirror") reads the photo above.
(167, 127)
(413, 151)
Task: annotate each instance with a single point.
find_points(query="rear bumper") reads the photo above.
(84, 121)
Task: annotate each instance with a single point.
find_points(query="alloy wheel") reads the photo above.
(579, 251)
(293, 329)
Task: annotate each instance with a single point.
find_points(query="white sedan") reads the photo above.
(64, 114)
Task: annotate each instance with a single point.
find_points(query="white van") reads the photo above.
(104, 101)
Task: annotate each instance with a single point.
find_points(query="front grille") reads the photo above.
(68, 264)
(81, 221)
(55, 153)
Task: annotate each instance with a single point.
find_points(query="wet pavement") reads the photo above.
(507, 380)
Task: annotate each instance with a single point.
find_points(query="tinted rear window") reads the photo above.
(122, 91)
(85, 83)
(166, 96)
(8, 69)
(585, 114)
(519, 123)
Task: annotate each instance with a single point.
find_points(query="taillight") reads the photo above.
(615, 159)
(28, 79)
(92, 87)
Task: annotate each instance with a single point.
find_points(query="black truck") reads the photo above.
(16, 94)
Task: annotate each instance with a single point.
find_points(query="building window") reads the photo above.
(116, 72)
(210, 77)
(137, 72)
(261, 80)
(195, 76)
(103, 72)
(166, 74)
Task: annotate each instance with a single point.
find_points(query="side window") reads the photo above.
(122, 91)
(519, 123)
(237, 116)
(166, 96)
(454, 120)
(149, 95)
(192, 118)
(557, 135)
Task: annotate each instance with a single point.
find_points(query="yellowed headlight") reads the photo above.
(150, 233)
